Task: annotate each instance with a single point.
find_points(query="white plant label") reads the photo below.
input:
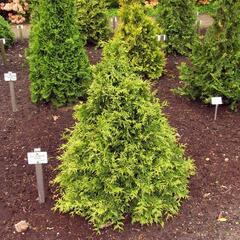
(19, 26)
(10, 76)
(114, 19)
(3, 40)
(216, 100)
(37, 158)
(161, 37)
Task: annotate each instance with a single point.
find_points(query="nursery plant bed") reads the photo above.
(211, 213)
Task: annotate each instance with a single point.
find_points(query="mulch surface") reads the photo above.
(215, 147)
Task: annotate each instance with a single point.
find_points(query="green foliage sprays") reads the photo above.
(138, 34)
(122, 157)
(178, 19)
(215, 68)
(92, 20)
(6, 32)
(59, 68)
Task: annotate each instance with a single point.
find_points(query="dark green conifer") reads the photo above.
(178, 19)
(215, 61)
(59, 68)
(6, 32)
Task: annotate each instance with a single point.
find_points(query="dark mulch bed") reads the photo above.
(214, 190)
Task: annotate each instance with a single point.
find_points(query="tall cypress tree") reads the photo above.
(59, 68)
(138, 33)
(215, 68)
(122, 156)
(178, 19)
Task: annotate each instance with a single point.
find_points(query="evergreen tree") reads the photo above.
(6, 32)
(215, 68)
(59, 68)
(138, 34)
(178, 19)
(92, 20)
(121, 156)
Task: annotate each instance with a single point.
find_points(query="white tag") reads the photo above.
(216, 100)
(19, 26)
(10, 76)
(161, 37)
(37, 157)
(3, 40)
(114, 19)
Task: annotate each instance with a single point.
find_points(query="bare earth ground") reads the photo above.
(215, 146)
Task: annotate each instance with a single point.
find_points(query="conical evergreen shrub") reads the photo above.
(138, 34)
(215, 68)
(92, 20)
(6, 32)
(178, 19)
(59, 67)
(121, 157)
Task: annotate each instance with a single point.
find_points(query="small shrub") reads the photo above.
(92, 20)
(59, 68)
(178, 19)
(122, 156)
(6, 32)
(138, 33)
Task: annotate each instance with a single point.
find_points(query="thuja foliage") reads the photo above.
(113, 3)
(215, 68)
(59, 68)
(92, 20)
(121, 157)
(138, 32)
(6, 32)
(178, 19)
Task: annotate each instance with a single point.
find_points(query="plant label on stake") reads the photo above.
(11, 78)
(114, 22)
(20, 30)
(2, 49)
(216, 101)
(38, 158)
(161, 37)
(19, 26)
(3, 40)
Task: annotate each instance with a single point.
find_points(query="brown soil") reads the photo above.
(214, 190)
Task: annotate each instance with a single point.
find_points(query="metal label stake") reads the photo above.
(20, 30)
(216, 101)
(215, 114)
(162, 37)
(3, 52)
(11, 78)
(39, 158)
(114, 22)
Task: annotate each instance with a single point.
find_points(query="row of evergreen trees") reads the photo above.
(177, 18)
(59, 31)
(121, 157)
